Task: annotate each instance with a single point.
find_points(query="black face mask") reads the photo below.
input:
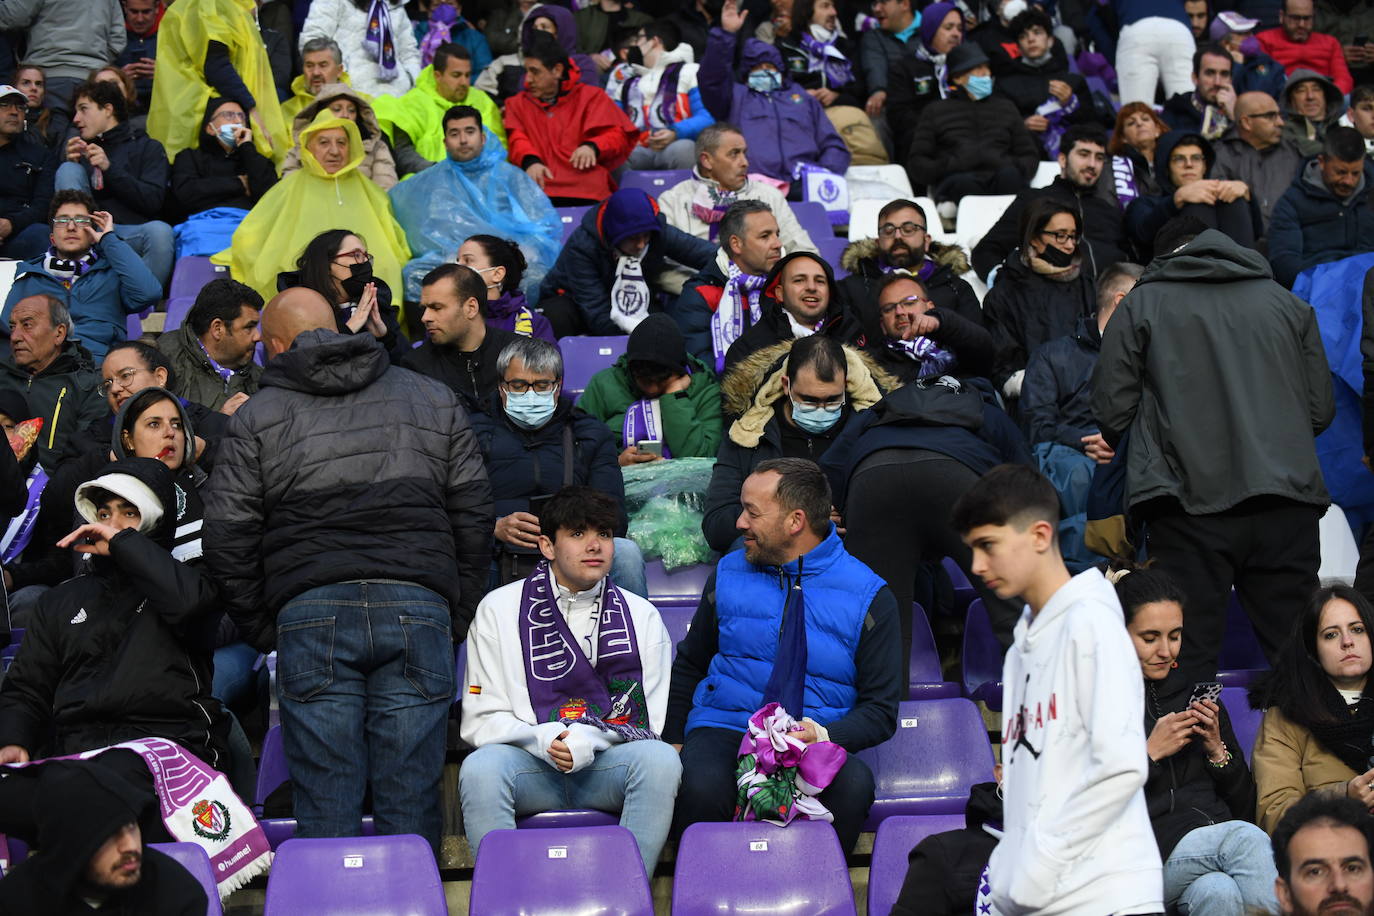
(1056, 258)
(354, 285)
(634, 56)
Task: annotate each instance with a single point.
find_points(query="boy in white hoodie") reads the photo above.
(567, 689)
(1077, 835)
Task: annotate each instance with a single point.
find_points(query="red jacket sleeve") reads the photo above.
(518, 142)
(610, 131)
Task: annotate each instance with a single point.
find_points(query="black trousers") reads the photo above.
(897, 518)
(1267, 548)
(564, 315)
(707, 792)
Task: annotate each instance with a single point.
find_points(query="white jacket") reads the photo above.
(649, 78)
(496, 703)
(1077, 834)
(676, 206)
(347, 25)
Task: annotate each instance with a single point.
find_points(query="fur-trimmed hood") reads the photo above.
(753, 387)
(944, 255)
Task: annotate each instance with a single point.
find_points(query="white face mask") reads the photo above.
(482, 270)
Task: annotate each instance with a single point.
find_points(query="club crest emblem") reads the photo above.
(210, 819)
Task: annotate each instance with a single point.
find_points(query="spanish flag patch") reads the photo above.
(473, 688)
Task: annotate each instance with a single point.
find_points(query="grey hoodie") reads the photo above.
(1305, 135)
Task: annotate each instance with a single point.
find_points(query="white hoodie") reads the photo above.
(1077, 833)
(496, 703)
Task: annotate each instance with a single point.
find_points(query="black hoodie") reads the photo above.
(120, 651)
(945, 869)
(773, 327)
(208, 175)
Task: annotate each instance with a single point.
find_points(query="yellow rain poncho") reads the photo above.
(308, 202)
(179, 87)
(420, 113)
(301, 97)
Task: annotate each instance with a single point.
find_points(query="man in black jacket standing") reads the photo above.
(1220, 376)
(26, 173)
(349, 519)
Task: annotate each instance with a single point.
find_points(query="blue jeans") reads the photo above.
(639, 779)
(1223, 869)
(234, 675)
(1071, 472)
(365, 672)
(152, 241)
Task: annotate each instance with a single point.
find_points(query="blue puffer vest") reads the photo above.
(838, 590)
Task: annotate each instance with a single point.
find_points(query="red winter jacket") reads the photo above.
(1320, 52)
(549, 132)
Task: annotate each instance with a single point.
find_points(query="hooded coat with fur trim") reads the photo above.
(752, 394)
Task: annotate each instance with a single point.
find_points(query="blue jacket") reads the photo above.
(782, 127)
(837, 590)
(1311, 226)
(1057, 391)
(100, 300)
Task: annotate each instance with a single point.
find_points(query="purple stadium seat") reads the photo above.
(355, 876)
(963, 589)
(924, 678)
(897, 836)
(982, 657)
(654, 182)
(560, 873)
(831, 249)
(571, 217)
(133, 327)
(687, 582)
(192, 273)
(813, 219)
(195, 860)
(177, 310)
(1241, 657)
(1244, 720)
(753, 867)
(677, 617)
(566, 819)
(939, 750)
(584, 357)
(272, 772)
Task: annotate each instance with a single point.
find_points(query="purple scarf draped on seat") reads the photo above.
(828, 60)
(379, 43)
(563, 685)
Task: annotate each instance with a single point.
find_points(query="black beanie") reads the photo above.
(657, 339)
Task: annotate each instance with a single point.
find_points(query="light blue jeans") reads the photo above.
(1223, 869)
(639, 779)
(153, 241)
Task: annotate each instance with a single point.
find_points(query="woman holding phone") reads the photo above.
(1199, 791)
(1319, 712)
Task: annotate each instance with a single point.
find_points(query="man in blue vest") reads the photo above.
(791, 618)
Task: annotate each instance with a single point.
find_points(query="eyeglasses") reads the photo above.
(908, 301)
(123, 378)
(908, 229)
(1183, 159)
(520, 386)
(61, 221)
(834, 403)
(356, 256)
(236, 117)
(1061, 235)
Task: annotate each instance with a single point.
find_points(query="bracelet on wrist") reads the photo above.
(1223, 762)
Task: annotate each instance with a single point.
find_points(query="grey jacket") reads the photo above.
(1268, 172)
(195, 379)
(1221, 378)
(1303, 135)
(68, 38)
(343, 467)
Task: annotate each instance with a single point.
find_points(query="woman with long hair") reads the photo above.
(1132, 148)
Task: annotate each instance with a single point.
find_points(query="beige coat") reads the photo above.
(1288, 762)
(377, 163)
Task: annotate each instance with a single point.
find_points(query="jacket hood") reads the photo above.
(1211, 257)
(951, 257)
(983, 806)
(329, 92)
(122, 420)
(327, 363)
(325, 120)
(1335, 99)
(562, 20)
(146, 483)
(1312, 181)
(753, 387)
(757, 52)
(1165, 148)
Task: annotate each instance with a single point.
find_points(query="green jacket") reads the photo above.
(195, 379)
(420, 113)
(691, 418)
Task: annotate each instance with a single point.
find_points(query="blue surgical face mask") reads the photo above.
(531, 409)
(816, 420)
(227, 133)
(980, 87)
(765, 80)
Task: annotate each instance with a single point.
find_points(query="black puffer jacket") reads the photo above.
(911, 86)
(943, 286)
(123, 650)
(209, 176)
(959, 134)
(472, 376)
(1028, 87)
(1026, 309)
(342, 467)
(1184, 792)
(26, 174)
(1056, 395)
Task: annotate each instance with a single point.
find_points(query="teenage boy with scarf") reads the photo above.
(657, 88)
(1077, 836)
(567, 687)
(792, 618)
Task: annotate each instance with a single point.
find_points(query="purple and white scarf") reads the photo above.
(823, 57)
(68, 270)
(1057, 114)
(644, 420)
(20, 530)
(442, 19)
(224, 372)
(563, 685)
(727, 321)
(935, 361)
(709, 203)
(1124, 180)
(780, 776)
(379, 42)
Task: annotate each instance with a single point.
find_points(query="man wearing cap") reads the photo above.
(1295, 45)
(1252, 70)
(657, 393)
(799, 299)
(607, 277)
(26, 175)
(1253, 151)
(971, 142)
